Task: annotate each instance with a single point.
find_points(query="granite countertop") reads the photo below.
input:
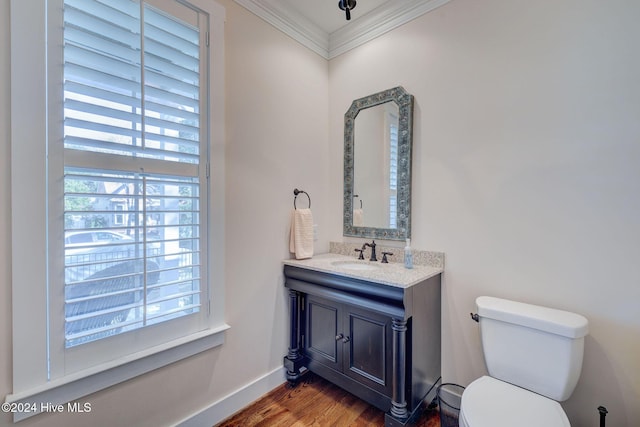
(392, 274)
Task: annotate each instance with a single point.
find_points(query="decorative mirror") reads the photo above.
(377, 165)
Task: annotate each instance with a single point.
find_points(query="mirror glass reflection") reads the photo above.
(375, 168)
(377, 165)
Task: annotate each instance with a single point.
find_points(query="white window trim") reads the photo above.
(29, 135)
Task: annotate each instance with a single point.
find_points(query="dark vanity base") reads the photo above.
(378, 342)
(373, 398)
(412, 419)
(293, 367)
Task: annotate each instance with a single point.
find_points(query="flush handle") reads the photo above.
(475, 317)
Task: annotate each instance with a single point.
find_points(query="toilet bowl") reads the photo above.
(534, 358)
(488, 402)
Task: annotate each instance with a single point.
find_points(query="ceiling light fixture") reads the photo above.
(347, 6)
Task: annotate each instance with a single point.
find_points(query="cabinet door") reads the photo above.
(322, 339)
(368, 353)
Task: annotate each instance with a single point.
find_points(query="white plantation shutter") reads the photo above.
(393, 174)
(132, 87)
(118, 244)
(132, 171)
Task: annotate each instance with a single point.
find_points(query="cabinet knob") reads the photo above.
(339, 337)
(345, 339)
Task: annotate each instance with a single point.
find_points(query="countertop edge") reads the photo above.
(391, 274)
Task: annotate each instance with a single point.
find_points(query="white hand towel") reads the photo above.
(301, 240)
(358, 217)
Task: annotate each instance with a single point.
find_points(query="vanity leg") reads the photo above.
(398, 415)
(293, 361)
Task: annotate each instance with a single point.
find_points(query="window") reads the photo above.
(131, 91)
(126, 208)
(119, 218)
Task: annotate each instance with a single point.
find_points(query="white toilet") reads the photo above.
(534, 358)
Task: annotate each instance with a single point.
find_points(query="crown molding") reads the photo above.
(329, 45)
(377, 22)
(291, 23)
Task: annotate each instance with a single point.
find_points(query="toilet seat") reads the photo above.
(488, 402)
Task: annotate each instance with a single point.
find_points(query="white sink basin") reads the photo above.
(355, 265)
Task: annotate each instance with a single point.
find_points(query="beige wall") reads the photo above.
(526, 174)
(277, 133)
(526, 170)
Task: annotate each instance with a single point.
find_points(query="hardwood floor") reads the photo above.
(314, 402)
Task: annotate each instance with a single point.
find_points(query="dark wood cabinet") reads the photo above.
(379, 342)
(351, 340)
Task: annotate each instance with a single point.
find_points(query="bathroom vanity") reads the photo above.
(370, 328)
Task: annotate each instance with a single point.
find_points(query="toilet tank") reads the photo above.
(536, 348)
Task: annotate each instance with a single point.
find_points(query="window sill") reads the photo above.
(72, 387)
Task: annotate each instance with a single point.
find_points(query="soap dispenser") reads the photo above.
(408, 255)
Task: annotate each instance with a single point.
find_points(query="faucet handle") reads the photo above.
(361, 256)
(384, 257)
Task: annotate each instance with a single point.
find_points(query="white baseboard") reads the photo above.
(235, 401)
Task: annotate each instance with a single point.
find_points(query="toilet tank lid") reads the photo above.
(546, 319)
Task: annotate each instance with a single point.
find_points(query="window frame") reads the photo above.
(34, 215)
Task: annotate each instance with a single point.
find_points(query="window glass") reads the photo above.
(132, 253)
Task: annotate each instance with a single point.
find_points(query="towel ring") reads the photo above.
(354, 196)
(296, 192)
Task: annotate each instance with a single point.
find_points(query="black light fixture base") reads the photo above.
(347, 6)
